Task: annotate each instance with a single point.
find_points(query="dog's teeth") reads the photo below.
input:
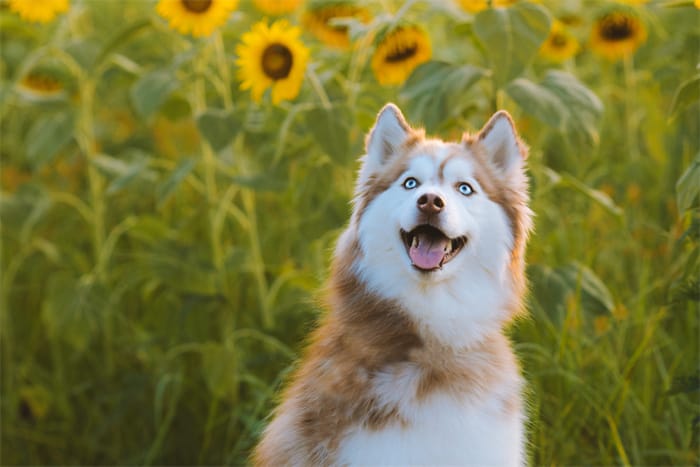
(414, 242)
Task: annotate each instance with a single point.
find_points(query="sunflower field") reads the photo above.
(174, 173)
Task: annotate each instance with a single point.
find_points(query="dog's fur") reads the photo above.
(410, 365)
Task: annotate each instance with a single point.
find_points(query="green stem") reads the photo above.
(86, 141)
(318, 87)
(211, 417)
(224, 70)
(209, 162)
(628, 72)
(256, 255)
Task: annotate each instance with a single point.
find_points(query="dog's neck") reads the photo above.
(444, 313)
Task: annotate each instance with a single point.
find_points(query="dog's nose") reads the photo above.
(430, 203)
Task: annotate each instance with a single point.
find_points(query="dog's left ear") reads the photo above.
(502, 145)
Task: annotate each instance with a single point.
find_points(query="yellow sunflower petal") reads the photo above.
(399, 53)
(560, 44)
(196, 17)
(617, 34)
(272, 57)
(277, 7)
(475, 6)
(40, 11)
(319, 21)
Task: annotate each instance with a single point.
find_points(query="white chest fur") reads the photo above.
(441, 430)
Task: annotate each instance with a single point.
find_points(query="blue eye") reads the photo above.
(410, 183)
(466, 189)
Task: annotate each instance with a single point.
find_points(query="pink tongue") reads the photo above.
(429, 252)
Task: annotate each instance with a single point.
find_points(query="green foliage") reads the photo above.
(511, 37)
(165, 238)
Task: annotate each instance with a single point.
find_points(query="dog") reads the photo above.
(410, 364)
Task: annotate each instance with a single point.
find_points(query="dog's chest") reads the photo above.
(443, 429)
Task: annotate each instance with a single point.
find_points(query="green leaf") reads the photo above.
(688, 186)
(49, 135)
(219, 369)
(538, 101)
(74, 309)
(436, 90)
(166, 188)
(120, 38)
(151, 229)
(552, 286)
(330, 128)
(595, 296)
(136, 169)
(38, 207)
(260, 182)
(583, 108)
(85, 51)
(218, 127)
(126, 172)
(687, 93)
(560, 101)
(568, 181)
(511, 37)
(110, 164)
(151, 91)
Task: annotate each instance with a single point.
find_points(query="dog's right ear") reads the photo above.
(388, 134)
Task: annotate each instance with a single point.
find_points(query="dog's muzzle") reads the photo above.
(429, 248)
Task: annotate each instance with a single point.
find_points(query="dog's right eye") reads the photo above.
(410, 183)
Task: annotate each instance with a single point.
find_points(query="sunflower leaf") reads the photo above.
(688, 186)
(168, 186)
(583, 107)
(433, 91)
(218, 127)
(538, 101)
(511, 37)
(330, 128)
(49, 135)
(560, 101)
(151, 91)
(687, 93)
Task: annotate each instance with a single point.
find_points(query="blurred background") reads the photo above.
(174, 174)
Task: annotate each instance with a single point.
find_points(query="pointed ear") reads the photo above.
(501, 143)
(390, 131)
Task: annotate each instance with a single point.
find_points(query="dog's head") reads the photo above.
(434, 219)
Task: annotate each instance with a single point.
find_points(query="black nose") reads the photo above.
(430, 203)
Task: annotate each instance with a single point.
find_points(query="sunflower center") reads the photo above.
(558, 40)
(277, 61)
(616, 28)
(401, 53)
(196, 6)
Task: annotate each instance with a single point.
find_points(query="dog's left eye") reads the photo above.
(410, 183)
(466, 189)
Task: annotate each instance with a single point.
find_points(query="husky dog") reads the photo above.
(410, 364)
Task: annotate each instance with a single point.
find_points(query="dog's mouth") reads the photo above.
(429, 248)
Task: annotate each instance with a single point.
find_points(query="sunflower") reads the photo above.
(41, 84)
(196, 17)
(272, 57)
(617, 34)
(399, 52)
(277, 7)
(40, 11)
(475, 6)
(319, 21)
(560, 44)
